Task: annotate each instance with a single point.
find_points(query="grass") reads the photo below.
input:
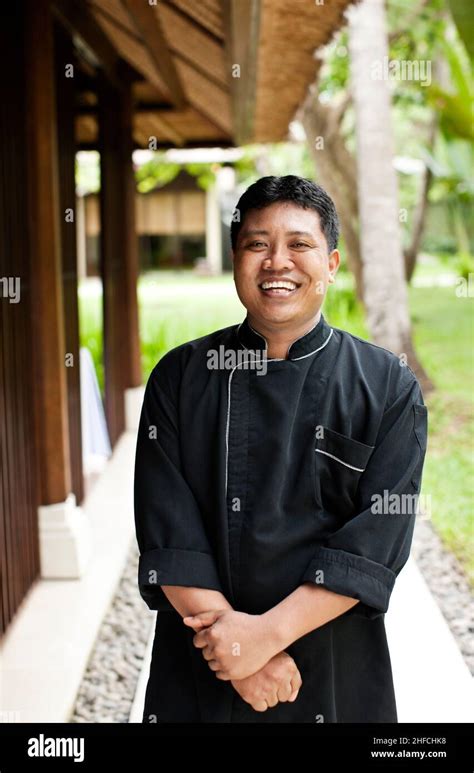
(177, 307)
(443, 326)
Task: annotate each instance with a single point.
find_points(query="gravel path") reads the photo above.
(108, 687)
(448, 585)
(109, 683)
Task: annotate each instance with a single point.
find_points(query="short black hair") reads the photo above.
(296, 190)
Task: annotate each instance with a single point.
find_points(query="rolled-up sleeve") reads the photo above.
(174, 548)
(363, 557)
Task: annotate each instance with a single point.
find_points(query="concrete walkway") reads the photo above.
(46, 648)
(432, 680)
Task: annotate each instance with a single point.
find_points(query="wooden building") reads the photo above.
(170, 220)
(109, 75)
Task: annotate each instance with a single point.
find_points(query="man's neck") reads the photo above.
(280, 340)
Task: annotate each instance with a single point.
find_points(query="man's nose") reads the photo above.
(278, 259)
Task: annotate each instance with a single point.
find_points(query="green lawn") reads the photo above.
(178, 307)
(443, 325)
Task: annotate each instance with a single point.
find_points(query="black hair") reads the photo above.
(296, 190)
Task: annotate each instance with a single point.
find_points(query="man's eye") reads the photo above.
(257, 244)
(300, 244)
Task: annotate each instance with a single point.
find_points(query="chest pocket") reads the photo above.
(338, 464)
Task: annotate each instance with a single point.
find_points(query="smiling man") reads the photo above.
(259, 542)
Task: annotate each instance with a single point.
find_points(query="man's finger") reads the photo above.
(200, 640)
(272, 701)
(203, 618)
(259, 706)
(296, 683)
(197, 626)
(284, 692)
(207, 653)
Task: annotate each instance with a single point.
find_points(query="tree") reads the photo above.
(384, 286)
(336, 170)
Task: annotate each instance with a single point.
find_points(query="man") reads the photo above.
(264, 453)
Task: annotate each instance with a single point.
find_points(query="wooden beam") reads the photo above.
(148, 23)
(242, 29)
(140, 107)
(167, 128)
(193, 12)
(211, 100)
(78, 19)
(219, 142)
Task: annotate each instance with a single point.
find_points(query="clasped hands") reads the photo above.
(243, 649)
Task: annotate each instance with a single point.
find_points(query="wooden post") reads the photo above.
(49, 380)
(64, 538)
(19, 494)
(119, 252)
(65, 86)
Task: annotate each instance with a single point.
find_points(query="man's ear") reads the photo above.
(334, 261)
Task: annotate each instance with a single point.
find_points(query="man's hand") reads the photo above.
(235, 645)
(277, 682)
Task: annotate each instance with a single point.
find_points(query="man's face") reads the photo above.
(283, 243)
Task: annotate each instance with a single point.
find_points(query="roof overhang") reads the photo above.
(213, 73)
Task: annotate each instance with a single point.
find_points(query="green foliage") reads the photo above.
(461, 11)
(155, 173)
(422, 33)
(452, 168)
(274, 159)
(91, 335)
(454, 106)
(204, 173)
(464, 265)
(159, 171)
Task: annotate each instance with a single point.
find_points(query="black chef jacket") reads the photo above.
(252, 484)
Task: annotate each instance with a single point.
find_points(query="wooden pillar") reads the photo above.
(119, 252)
(19, 553)
(65, 106)
(48, 376)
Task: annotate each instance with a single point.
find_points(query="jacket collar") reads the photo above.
(305, 346)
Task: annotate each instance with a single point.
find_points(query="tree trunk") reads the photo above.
(336, 171)
(384, 286)
(411, 253)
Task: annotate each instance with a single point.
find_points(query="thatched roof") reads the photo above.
(182, 56)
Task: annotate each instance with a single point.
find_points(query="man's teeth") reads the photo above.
(278, 286)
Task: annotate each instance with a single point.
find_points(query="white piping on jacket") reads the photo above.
(280, 359)
(229, 394)
(351, 467)
(316, 350)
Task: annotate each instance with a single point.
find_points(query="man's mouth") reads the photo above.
(278, 288)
